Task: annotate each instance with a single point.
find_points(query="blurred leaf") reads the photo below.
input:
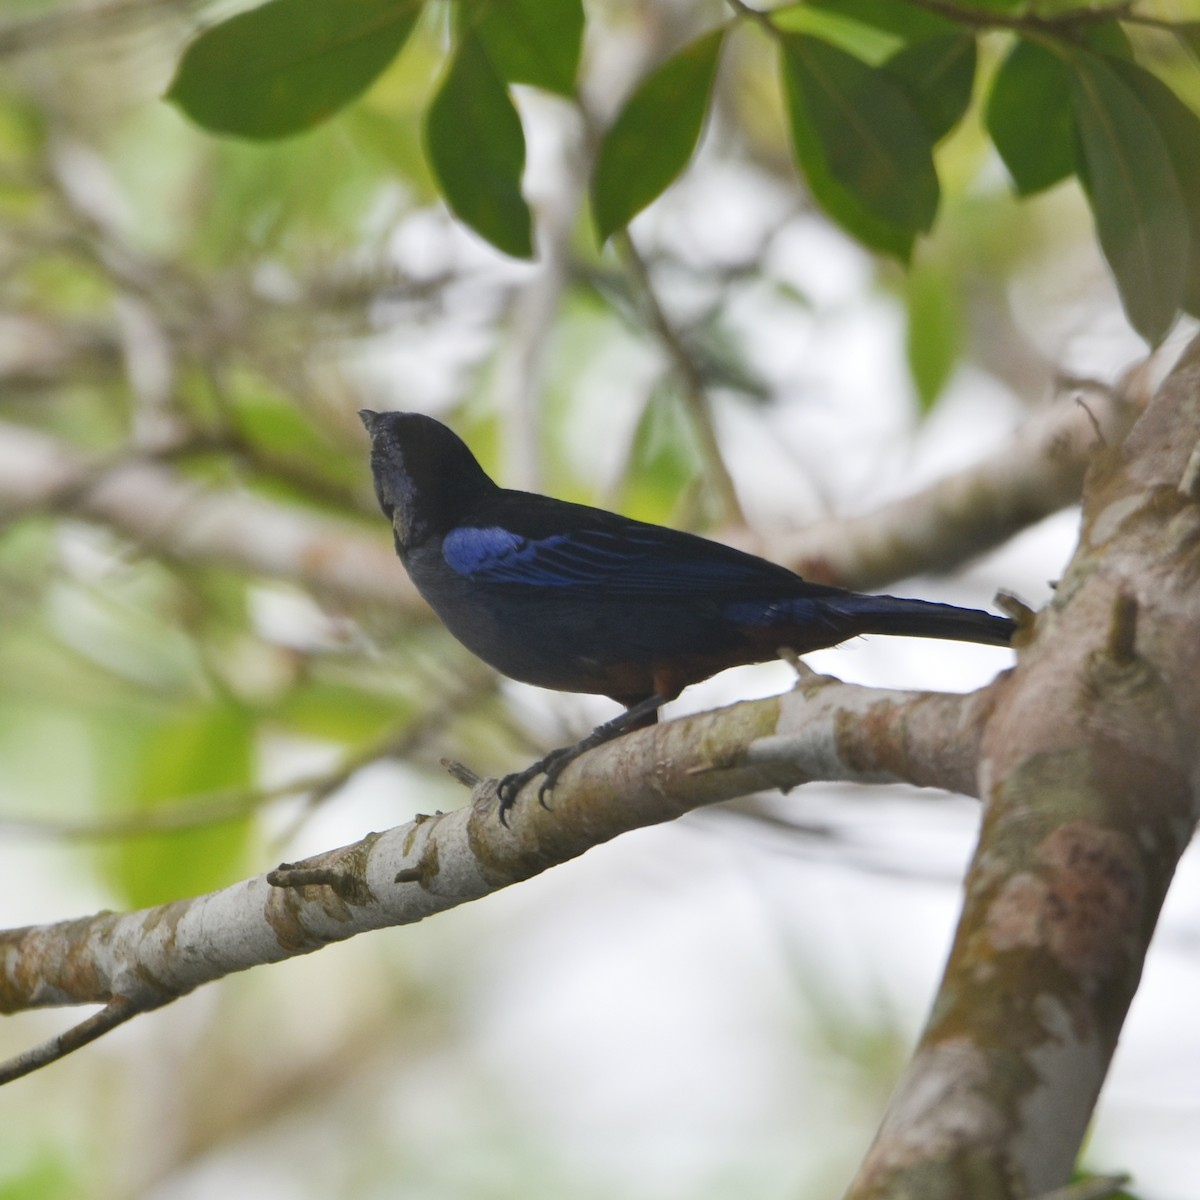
(476, 146)
(864, 39)
(1028, 116)
(269, 418)
(663, 459)
(1109, 38)
(394, 144)
(45, 1173)
(23, 132)
(294, 201)
(290, 450)
(205, 749)
(1179, 127)
(935, 333)
(654, 135)
(839, 203)
(1188, 32)
(937, 76)
(902, 22)
(1130, 182)
(531, 41)
(861, 146)
(289, 64)
(338, 712)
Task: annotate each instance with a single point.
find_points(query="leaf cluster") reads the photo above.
(870, 88)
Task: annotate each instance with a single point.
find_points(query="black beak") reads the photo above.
(369, 419)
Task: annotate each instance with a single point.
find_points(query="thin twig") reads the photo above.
(1057, 25)
(116, 1012)
(694, 394)
(1028, 22)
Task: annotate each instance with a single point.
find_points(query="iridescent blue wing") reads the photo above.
(641, 559)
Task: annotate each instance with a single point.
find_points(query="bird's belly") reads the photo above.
(559, 639)
(557, 644)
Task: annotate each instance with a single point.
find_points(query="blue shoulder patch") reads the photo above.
(497, 555)
(468, 550)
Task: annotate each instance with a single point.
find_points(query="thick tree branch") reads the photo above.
(1091, 776)
(823, 729)
(1038, 471)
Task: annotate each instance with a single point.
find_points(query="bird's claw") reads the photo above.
(508, 791)
(512, 785)
(557, 761)
(552, 766)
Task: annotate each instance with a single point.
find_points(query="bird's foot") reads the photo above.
(511, 786)
(552, 766)
(557, 761)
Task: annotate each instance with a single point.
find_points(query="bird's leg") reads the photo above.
(554, 763)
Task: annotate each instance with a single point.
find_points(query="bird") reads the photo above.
(579, 599)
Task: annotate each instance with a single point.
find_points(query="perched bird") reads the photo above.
(582, 600)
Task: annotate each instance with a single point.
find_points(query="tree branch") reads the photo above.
(116, 1012)
(823, 729)
(1037, 472)
(1091, 777)
(162, 510)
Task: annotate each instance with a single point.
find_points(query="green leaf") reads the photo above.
(1179, 127)
(1130, 183)
(935, 333)
(531, 41)
(338, 712)
(937, 76)
(654, 135)
(864, 40)
(476, 147)
(842, 205)
(663, 459)
(860, 144)
(288, 65)
(1028, 116)
(41, 1172)
(1109, 38)
(1188, 32)
(904, 21)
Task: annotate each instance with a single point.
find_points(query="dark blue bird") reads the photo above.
(582, 600)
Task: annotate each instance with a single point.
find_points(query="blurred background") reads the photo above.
(210, 660)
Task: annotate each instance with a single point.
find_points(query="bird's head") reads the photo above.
(425, 477)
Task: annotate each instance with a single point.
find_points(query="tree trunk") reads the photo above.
(1090, 775)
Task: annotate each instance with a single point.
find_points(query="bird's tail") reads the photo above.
(921, 618)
